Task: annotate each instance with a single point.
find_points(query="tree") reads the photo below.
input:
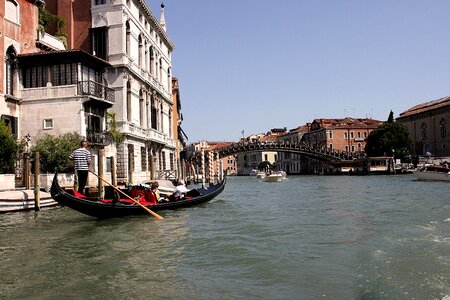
(8, 149)
(55, 151)
(389, 139)
(264, 165)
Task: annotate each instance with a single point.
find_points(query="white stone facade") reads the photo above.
(139, 50)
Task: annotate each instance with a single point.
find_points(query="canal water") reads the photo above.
(308, 237)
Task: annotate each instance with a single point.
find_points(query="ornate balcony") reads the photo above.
(96, 90)
(98, 138)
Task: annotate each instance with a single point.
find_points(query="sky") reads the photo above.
(254, 65)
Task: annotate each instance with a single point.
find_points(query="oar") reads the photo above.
(149, 211)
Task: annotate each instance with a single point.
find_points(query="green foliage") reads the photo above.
(116, 136)
(46, 19)
(264, 165)
(389, 137)
(8, 149)
(55, 151)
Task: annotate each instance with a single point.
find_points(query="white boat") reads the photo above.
(260, 174)
(21, 200)
(433, 172)
(275, 177)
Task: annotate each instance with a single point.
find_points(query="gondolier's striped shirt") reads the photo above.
(81, 158)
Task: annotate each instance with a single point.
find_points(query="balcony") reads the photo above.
(97, 138)
(96, 90)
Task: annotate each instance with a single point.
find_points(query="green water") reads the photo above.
(309, 237)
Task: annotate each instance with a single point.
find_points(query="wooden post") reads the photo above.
(37, 183)
(27, 170)
(203, 168)
(101, 157)
(113, 171)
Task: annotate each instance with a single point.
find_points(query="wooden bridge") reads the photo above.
(321, 154)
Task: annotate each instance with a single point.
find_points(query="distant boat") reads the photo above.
(261, 174)
(274, 177)
(433, 172)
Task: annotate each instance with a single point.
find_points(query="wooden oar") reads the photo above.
(137, 202)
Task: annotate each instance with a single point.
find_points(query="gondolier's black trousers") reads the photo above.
(82, 179)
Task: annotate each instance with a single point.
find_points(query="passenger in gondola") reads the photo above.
(180, 191)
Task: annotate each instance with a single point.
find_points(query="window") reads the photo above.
(100, 2)
(352, 135)
(359, 147)
(141, 109)
(64, 74)
(128, 36)
(423, 131)
(353, 148)
(358, 134)
(11, 122)
(346, 148)
(443, 127)
(331, 147)
(12, 11)
(365, 134)
(140, 60)
(11, 63)
(35, 77)
(143, 159)
(345, 135)
(330, 134)
(128, 101)
(48, 124)
(99, 38)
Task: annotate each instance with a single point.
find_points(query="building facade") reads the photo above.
(427, 127)
(128, 36)
(287, 161)
(19, 33)
(344, 135)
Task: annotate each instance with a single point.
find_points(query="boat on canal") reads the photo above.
(23, 200)
(110, 206)
(433, 172)
(274, 177)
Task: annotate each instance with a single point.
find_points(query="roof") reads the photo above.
(346, 123)
(424, 107)
(63, 56)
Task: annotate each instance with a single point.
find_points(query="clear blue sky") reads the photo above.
(254, 65)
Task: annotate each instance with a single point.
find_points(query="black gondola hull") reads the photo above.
(100, 209)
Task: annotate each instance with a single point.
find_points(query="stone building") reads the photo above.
(134, 42)
(427, 127)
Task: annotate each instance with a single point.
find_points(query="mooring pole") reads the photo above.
(27, 170)
(37, 182)
(101, 157)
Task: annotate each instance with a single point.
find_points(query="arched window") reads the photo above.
(128, 36)
(12, 11)
(152, 60)
(170, 123)
(161, 118)
(423, 131)
(141, 109)
(11, 64)
(443, 127)
(154, 114)
(140, 60)
(129, 101)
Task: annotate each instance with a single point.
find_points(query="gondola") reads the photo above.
(109, 208)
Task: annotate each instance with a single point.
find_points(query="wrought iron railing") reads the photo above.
(96, 89)
(97, 137)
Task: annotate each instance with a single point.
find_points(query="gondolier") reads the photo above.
(81, 160)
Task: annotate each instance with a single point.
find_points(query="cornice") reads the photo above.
(156, 25)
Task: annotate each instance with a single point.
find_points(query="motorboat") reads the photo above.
(433, 172)
(274, 177)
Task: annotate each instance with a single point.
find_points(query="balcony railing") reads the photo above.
(96, 89)
(97, 137)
